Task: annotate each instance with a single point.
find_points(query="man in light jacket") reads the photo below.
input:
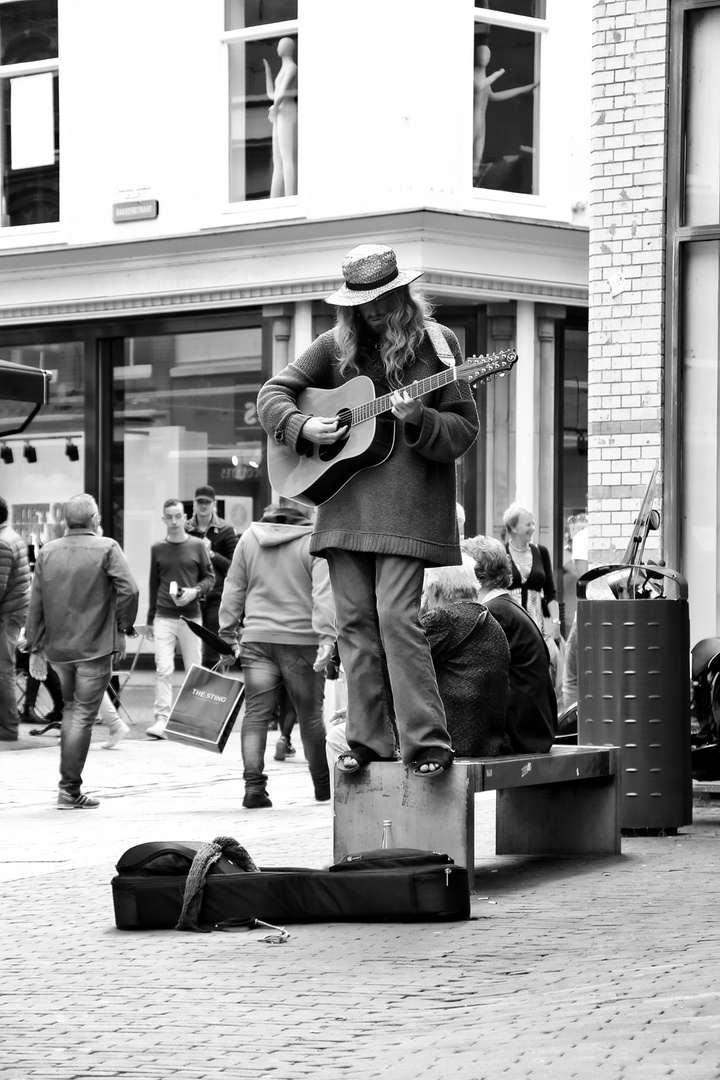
(82, 603)
(282, 595)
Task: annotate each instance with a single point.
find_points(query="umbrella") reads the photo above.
(209, 638)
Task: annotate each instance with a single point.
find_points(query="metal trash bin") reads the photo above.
(634, 692)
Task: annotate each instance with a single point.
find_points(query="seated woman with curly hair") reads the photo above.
(532, 707)
(471, 658)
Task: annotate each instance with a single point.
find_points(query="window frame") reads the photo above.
(538, 27)
(50, 65)
(678, 235)
(286, 28)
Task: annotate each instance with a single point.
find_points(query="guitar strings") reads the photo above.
(382, 404)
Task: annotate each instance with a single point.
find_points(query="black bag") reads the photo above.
(205, 709)
(168, 858)
(385, 887)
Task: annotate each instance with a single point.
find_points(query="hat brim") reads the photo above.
(344, 297)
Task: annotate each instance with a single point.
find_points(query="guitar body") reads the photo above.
(314, 477)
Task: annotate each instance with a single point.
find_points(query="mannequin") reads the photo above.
(283, 117)
(484, 93)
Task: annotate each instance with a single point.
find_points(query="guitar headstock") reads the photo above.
(495, 365)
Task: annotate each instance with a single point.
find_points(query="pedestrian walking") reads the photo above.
(14, 597)
(220, 539)
(83, 602)
(181, 574)
(282, 595)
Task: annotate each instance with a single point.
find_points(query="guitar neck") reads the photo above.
(417, 389)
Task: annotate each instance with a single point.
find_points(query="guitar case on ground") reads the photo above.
(149, 891)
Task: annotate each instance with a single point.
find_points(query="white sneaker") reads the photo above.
(117, 732)
(157, 730)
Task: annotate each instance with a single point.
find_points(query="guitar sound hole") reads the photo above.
(331, 450)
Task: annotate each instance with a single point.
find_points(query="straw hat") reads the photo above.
(369, 271)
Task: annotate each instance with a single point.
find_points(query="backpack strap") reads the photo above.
(442, 349)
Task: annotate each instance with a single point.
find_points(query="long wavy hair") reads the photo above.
(400, 344)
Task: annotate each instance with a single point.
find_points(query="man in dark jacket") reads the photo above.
(14, 596)
(531, 721)
(82, 603)
(220, 540)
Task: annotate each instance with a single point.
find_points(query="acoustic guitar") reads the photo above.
(316, 475)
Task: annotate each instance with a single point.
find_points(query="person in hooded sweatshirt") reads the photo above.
(281, 594)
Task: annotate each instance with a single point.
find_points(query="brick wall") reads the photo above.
(626, 271)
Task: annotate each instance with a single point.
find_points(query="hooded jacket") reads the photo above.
(279, 591)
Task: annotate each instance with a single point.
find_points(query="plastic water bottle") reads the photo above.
(387, 835)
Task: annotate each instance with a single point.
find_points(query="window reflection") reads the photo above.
(185, 416)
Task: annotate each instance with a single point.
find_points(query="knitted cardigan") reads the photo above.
(407, 505)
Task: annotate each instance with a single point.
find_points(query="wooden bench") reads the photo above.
(566, 802)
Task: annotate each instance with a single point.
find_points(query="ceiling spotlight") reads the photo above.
(6, 454)
(30, 453)
(72, 451)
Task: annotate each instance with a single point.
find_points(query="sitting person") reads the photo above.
(532, 709)
(471, 658)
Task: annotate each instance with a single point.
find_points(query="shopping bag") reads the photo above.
(205, 709)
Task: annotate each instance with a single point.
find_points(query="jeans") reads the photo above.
(83, 684)
(168, 632)
(10, 627)
(386, 655)
(265, 668)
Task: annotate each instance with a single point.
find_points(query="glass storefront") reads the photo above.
(184, 415)
(701, 432)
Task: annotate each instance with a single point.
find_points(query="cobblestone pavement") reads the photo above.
(598, 967)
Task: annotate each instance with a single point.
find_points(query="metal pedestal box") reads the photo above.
(634, 692)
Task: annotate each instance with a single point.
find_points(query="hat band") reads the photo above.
(368, 285)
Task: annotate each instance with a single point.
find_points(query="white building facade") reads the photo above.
(169, 231)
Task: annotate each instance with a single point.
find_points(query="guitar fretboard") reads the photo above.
(476, 368)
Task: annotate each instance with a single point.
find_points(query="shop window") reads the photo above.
(700, 382)
(44, 465)
(702, 176)
(29, 133)
(262, 47)
(506, 78)
(184, 416)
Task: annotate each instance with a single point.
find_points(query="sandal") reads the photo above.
(441, 758)
(361, 755)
